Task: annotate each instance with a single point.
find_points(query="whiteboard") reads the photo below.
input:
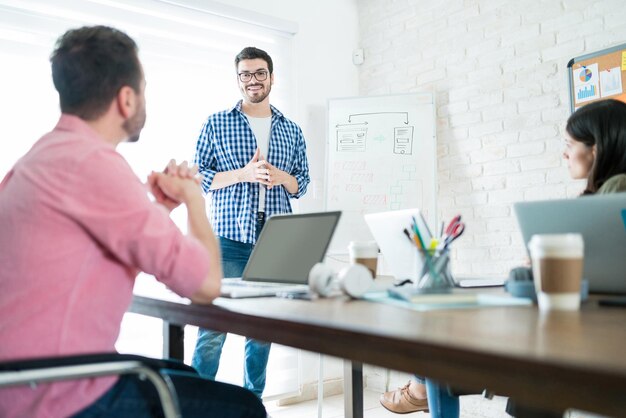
(381, 155)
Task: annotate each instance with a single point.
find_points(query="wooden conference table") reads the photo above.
(553, 361)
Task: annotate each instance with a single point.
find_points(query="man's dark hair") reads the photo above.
(89, 67)
(251, 53)
(603, 124)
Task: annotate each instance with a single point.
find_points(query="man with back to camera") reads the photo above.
(77, 225)
(253, 160)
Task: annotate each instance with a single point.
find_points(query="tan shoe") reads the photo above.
(401, 401)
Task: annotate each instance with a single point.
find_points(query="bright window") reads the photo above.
(187, 48)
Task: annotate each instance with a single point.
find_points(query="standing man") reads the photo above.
(253, 160)
(77, 225)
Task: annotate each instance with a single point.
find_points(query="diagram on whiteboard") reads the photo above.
(352, 136)
(381, 156)
(368, 190)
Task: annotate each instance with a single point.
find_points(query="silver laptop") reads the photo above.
(400, 254)
(601, 220)
(288, 247)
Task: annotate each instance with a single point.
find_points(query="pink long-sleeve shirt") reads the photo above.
(75, 224)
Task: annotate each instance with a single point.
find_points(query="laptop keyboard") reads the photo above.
(237, 288)
(262, 285)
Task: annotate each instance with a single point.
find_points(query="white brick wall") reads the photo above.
(498, 70)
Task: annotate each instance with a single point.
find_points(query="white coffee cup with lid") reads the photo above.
(365, 253)
(557, 261)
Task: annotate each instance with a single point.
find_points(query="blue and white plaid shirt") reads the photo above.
(227, 143)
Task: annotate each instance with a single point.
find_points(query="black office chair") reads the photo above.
(43, 370)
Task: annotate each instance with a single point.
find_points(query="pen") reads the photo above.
(427, 258)
(412, 238)
(416, 242)
(430, 234)
(408, 235)
(417, 233)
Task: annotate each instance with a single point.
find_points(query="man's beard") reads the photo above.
(257, 98)
(134, 125)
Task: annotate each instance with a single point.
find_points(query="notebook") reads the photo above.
(288, 247)
(601, 219)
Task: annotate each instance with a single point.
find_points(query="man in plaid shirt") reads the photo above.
(253, 160)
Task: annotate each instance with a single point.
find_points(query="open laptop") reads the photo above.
(400, 253)
(601, 220)
(288, 247)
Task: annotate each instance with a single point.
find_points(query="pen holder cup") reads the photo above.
(435, 273)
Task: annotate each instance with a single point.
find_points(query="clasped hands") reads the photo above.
(259, 170)
(175, 185)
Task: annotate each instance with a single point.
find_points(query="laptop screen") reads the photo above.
(598, 219)
(289, 246)
(400, 254)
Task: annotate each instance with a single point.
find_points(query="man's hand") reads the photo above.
(177, 189)
(182, 171)
(158, 194)
(255, 171)
(276, 176)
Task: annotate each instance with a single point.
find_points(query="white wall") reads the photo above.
(498, 69)
(323, 69)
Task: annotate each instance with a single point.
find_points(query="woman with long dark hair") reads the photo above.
(595, 149)
(595, 137)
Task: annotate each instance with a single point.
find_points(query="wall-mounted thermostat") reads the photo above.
(357, 56)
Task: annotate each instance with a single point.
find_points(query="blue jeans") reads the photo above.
(206, 356)
(441, 403)
(132, 397)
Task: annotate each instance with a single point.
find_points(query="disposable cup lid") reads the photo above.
(556, 243)
(363, 245)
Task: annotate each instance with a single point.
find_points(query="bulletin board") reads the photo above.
(381, 155)
(596, 76)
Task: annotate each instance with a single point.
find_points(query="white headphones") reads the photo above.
(354, 280)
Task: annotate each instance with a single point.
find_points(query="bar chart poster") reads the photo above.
(586, 84)
(597, 76)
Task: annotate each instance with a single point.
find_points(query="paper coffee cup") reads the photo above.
(557, 261)
(365, 253)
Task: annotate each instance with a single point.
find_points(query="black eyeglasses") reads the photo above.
(258, 75)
